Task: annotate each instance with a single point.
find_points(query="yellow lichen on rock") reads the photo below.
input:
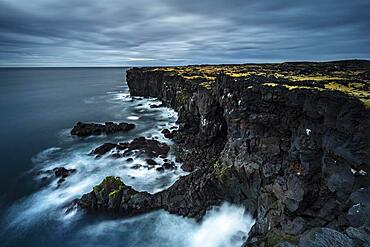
(351, 78)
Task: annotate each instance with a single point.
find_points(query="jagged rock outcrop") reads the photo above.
(61, 173)
(148, 147)
(291, 142)
(88, 129)
(189, 196)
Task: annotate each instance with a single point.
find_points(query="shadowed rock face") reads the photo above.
(111, 195)
(288, 141)
(148, 147)
(189, 196)
(88, 129)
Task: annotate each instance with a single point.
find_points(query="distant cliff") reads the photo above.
(290, 142)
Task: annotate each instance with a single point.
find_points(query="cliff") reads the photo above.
(290, 142)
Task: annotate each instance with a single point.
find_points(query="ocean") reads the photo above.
(38, 108)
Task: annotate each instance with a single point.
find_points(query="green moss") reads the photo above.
(270, 84)
(358, 90)
(272, 238)
(220, 171)
(312, 78)
(111, 180)
(115, 193)
(110, 186)
(96, 188)
(366, 103)
(102, 192)
(183, 97)
(236, 73)
(292, 87)
(207, 85)
(348, 77)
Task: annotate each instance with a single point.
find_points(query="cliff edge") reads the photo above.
(289, 141)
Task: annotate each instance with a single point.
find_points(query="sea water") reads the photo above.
(38, 107)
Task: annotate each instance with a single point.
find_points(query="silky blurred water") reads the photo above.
(38, 108)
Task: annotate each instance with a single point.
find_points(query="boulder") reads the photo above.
(103, 149)
(360, 236)
(168, 134)
(168, 166)
(149, 147)
(61, 172)
(325, 237)
(151, 162)
(157, 106)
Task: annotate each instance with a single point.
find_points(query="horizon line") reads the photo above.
(196, 64)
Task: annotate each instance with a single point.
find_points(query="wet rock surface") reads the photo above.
(141, 146)
(60, 173)
(169, 134)
(295, 154)
(189, 196)
(113, 196)
(88, 129)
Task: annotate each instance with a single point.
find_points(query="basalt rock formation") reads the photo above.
(290, 142)
(61, 173)
(88, 129)
(148, 147)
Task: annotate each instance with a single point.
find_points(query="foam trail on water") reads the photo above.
(222, 226)
(73, 153)
(225, 226)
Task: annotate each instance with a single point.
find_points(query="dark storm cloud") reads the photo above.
(147, 32)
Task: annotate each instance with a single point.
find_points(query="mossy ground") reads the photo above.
(110, 184)
(115, 193)
(272, 238)
(349, 77)
(182, 97)
(220, 171)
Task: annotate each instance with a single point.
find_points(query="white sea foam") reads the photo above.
(91, 171)
(225, 226)
(222, 226)
(133, 117)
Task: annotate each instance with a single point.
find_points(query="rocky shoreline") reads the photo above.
(290, 142)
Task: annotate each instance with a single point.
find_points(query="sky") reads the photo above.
(178, 32)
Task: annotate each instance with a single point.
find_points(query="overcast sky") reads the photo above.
(161, 32)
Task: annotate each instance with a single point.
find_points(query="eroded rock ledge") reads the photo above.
(288, 141)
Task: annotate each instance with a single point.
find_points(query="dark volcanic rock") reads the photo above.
(168, 134)
(58, 172)
(103, 149)
(326, 237)
(160, 169)
(189, 196)
(284, 140)
(157, 106)
(113, 196)
(87, 129)
(136, 166)
(360, 236)
(147, 147)
(60, 181)
(323, 237)
(168, 166)
(61, 172)
(151, 162)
